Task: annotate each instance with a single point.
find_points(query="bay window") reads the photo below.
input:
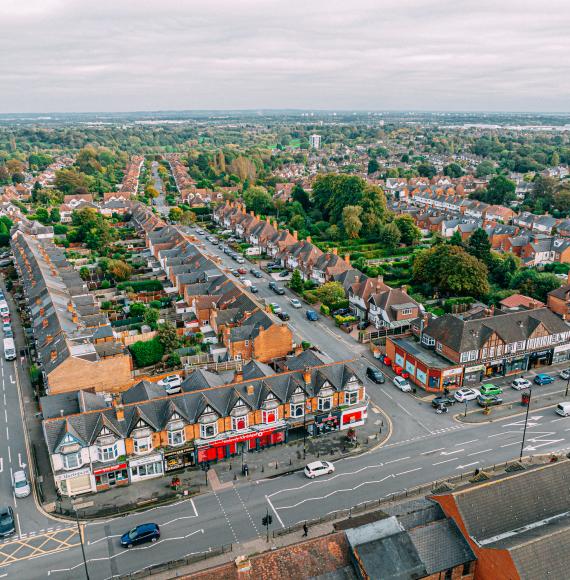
(325, 403)
(176, 437)
(351, 398)
(108, 452)
(208, 430)
(269, 416)
(142, 444)
(72, 460)
(296, 409)
(239, 423)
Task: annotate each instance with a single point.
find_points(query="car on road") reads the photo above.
(275, 308)
(489, 401)
(375, 375)
(7, 523)
(255, 273)
(283, 315)
(543, 379)
(171, 384)
(295, 303)
(402, 384)
(20, 484)
(312, 315)
(253, 289)
(8, 334)
(240, 260)
(317, 468)
(140, 535)
(235, 273)
(563, 409)
(445, 401)
(242, 271)
(279, 290)
(565, 374)
(466, 394)
(6, 326)
(520, 384)
(490, 389)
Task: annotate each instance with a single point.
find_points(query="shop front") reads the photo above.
(228, 446)
(76, 482)
(516, 364)
(107, 476)
(325, 423)
(473, 375)
(146, 467)
(494, 368)
(353, 417)
(540, 358)
(179, 458)
(451, 378)
(561, 354)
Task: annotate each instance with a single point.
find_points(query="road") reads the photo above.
(160, 201)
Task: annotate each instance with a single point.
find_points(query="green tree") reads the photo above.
(42, 215)
(333, 233)
(426, 170)
(151, 317)
(351, 220)
(330, 293)
(296, 283)
(373, 166)
(92, 229)
(137, 309)
(175, 214)
(534, 284)
(187, 218)
(120, 270)
(167, 336)
(410, 233)
(84, 273)
(389, 236)
(479, 245)
(299, 195)
(453, 170)
(71, 181)
(456, 239)
(54, 216)
(147, 353)
(484, 169)
(258, 200)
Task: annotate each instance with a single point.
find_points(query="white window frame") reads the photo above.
(176, 437)
(204, 427)
(351, 397)
(65, 459)
(265, 416)
(406, 311)
(240, 418)
(142, 445)
(321, 406)
(107, 452)
(293, 407)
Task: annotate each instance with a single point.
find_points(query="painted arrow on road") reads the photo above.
(532, 422)
(468, 465)
(451, 452)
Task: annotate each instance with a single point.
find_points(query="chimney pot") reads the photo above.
(309, 240)
(307, 375)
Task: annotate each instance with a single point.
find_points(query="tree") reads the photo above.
(479, 245)
(258, 200)
(167, 336)
(92, 229)
(187, 218)
(426, 170)
(451, 270)
(373, 166)
(297, 222)
(151, 317)
(333, 233)
(151, 192)
(534, 284)
(389, 236)
(484, 169)
(54, 215)
(410, 233)
(70, 181)
(147, 353)
(453, 170)
(555, 159)
(299, 195)
(374, 211)
(120, 270)
(330, 293)
(243, 168)
(137, 309)
(456, 239)
(42, 215)
(296, 283)
(175, 214)
(84, 273)
(351, 220)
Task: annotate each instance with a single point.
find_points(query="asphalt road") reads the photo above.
(160, 201)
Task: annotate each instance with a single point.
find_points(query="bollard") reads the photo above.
(262, 468)
(276, 465)
(230, 467)
(290, 461)
(235, 476)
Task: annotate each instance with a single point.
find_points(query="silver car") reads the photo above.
(21, 484)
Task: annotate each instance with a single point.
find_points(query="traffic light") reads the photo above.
(267, 520)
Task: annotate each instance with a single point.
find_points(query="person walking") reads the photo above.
(305, 530)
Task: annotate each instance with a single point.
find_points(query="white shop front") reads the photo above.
(75, 482)
(146, 467)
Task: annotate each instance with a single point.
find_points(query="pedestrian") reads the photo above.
(305, 530)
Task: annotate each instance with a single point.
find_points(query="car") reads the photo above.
(466, 394)
(295, 303)
(7, 523)
(520, 384)
(6, 326)
(242, 270)
(445, 401)
(240, 260)
(253, 289)
(140, 535)
(20, 484)
(272, 285)
(275, 308)
(235, 273)
(8, 334)
(489, 401)
(341, 312)
(312, 315)
(171, 384)
(490, 389)
(565, 374)
(279, 290)
(402, 384)
(375, 375)
(283, 315)
(543, 379)
(317, 468)
(283, 274)
(255, 273)
(215, 242)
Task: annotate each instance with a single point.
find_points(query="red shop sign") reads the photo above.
(109, 468)
(351, 417)
(238, 438)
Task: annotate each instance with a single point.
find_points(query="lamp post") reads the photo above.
(567, 385)
(525, 422)
(82, 545)
(305, 425)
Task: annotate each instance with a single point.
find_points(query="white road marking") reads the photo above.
(503, 433)
(396, 460)
(452, 452)
(468, 465)
(6, 415)
(388, 395)
(432, 451)
(7, 434)
(446, 461)
(465, 442)
(479, 452)
(509, 444)
(275, 512)
(409, 471)
(9, 454)
(1, 464)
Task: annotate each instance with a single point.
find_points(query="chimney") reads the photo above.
(120, 412)
(250, 389)
(70, 306)
(268, 220)
(238, 376)
(74, 318)
(307, 375)
(53, 355)
(357, 279)
(295, 234)
(44, 323)
(347, 258)
(251, 213)
(42, 311)
(335, 251)
(49, 338)
(309, 240)
(404, 289)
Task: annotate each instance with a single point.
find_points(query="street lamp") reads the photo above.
(567, 385)
(525, 422)
(82, 545)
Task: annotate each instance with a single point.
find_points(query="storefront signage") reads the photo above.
(330, 418)
(399, 360)
(145, 460)
(449, 372)
(178, 451)
(109, 468)
(474, 369)
(73, 474)
(562, 348)
(238, 438)
(540, 353)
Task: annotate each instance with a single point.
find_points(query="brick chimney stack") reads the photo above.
(307, 375)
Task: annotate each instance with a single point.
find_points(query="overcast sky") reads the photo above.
(129, 55)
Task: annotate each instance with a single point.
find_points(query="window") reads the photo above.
(146, 470)
(428, 340)
(439, 347)
(351, 398)
(176, 437)
(296, 409)
(107, 453)
(325, 403)
(239, 423)
(466, 568)
(72, 460)
(406, 311)
(269, 416)
(209, 430)
(247, 343)
(142, 444)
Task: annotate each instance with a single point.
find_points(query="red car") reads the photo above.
(242, 271)
(401, 372)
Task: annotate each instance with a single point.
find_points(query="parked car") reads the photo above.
(283, 315)
(543, 379)
(490, 389)
(7, 523)
(140, 535)
(171, 384)
(341, 312)
(6, 326)
(466, 394)
(253, 289)
(256, 273)
(240, 260)
(489, 401)
(312, 315)
(242, 270)
(520, 384)
(295, 303)
(317, 468)
(235, 273)
(565, 374)
(563, 409)
(8, 334)
(275, 308)
(284, 274)
(272, 285)
(20, 484)
(445, 401)
(375, 375)
(279, 290)
(402, 384)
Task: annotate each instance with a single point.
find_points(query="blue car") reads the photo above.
(543, 379)
(140, 535)
(312, 315)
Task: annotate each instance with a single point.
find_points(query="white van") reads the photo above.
(9, 349)
(563, 409)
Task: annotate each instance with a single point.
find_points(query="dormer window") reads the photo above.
(240, 409)
(240, 423)
(270, 402)
(208, 423)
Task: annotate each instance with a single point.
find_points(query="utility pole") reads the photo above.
(525, 422)
(266, 521)
(82, 545)
(567, 385)
(305, 426)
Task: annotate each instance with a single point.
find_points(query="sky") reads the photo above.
(137, 55)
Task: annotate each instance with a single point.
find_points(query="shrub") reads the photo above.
(305, 345)
(310, 296)
(107, 305)
(155, 304)
(141, 285)
(325, 310)
(105, 284)
(147, 353)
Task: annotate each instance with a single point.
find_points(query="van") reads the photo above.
(563, 409)
(9, 349)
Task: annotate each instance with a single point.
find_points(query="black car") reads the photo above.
(7, 525)
(235, 273)
(272, 285)
(279, 290)
(284, 274)
(375, 375)
(341, 312)
(445, 401)
(140, 535)
(253, 289)
(283, 315)
(255, 273)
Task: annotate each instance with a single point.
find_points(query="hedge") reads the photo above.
(147, 353)
(142, 285)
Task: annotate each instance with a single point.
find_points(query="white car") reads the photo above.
(520, 384)
(296, 303)
(466, 394)
(317, 468)
(275, 308)
(402, 384)
(565, 374)
(171, 384)
(21, 484)
(240, 260)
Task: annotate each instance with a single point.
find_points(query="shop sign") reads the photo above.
(330, 418)
(562, 348)
(239, 438)
(73, 474)
(179, 451)
(449, 372)
(540, 353)
(109, 468)
(145, 460)
(474, 369)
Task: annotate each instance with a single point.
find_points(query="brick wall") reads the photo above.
(275, 342)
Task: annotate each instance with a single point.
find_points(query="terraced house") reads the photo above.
(95, 444)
